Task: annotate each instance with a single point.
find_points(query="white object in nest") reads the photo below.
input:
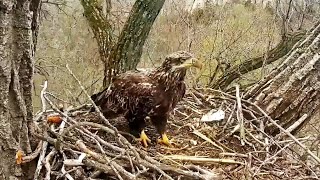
(213, 115)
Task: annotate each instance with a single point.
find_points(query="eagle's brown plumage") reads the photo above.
(137, 95)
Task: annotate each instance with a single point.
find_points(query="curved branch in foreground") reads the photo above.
(274, 54)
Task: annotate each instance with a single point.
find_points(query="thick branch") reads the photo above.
(126, 54)
(274, 54)
(100, 26)
(16, 72)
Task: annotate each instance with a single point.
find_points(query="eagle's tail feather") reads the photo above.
(97, 97)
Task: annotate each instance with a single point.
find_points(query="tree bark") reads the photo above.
(292, 89)
(127, 53)
(235, 72)
(124, 54)
(16, 71)
(99, 24)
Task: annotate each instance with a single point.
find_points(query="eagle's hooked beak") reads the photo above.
(192, 62)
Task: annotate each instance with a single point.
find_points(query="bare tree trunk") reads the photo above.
(100, 25)
(293, 88)
(127, 53)
(16, 71)
(124, 54)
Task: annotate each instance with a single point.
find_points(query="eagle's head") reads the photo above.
(174, 68)
(180, 61)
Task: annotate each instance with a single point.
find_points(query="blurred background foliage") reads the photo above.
(216, 33)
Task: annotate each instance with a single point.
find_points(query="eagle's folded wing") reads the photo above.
(126, 92)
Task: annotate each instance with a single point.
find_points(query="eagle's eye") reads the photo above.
(181, 60)
(177, 58)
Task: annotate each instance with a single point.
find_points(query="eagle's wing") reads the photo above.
(134, 84)
(126, 92)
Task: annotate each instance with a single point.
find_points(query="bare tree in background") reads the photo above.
(17, 20)
(231, 73)
(124, 53)
(291, 14)
(295, 14)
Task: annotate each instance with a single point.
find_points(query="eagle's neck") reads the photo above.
(169, 78)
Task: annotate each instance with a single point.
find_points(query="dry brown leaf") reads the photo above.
(54, 119)
(19, 156)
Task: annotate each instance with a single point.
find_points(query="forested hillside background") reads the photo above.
(218, 34)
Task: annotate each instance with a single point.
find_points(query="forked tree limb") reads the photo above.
(126, 54)
(123, 53)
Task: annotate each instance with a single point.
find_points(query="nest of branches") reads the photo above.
(234, 144)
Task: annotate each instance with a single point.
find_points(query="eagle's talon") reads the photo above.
(165, 140)
(144, 139)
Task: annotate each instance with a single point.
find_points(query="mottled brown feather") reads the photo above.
(136, 95)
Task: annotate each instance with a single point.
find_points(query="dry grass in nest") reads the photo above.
(85, 145)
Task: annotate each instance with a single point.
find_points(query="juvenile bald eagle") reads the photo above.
(137, 95)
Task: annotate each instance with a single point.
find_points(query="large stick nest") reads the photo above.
(87, 146)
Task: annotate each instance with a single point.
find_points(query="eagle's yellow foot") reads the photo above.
(165, 140)
(144, 139)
